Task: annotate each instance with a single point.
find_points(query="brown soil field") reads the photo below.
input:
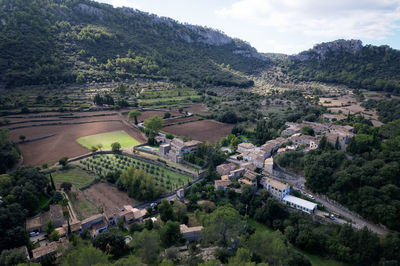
(146, 114)
(63, 143)
(197, 108)
(180, 119)
(204, 130)
(108, 197)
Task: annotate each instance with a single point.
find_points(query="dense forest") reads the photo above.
(372, 68)
(68, 41)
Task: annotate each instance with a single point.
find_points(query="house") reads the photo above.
(237, 173)
(269, 165)
(130, 214)
(98, 228)
(249, 178)
(176, 150)
(38, 222)
(76, 226)
(309, 141)
(222, 184)
(191, 233)
(277, 189)
(300, 204)
(89, 222)
(243, 147)
(226, 168)
(61, 231)
(47, 250)
(343, 138)
(249, 166)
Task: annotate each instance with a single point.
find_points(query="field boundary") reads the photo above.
(65, 124)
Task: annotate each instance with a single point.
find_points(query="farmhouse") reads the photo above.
(222, 184)
(244, 147)
(130, 214)
(47, 250)
(176, 150)
(249, 178)
(300, 204)
(309, 141)
(191, 233)
(343, 138)
(225, 169)
(277, 189)
(37, 223)
(269, 165)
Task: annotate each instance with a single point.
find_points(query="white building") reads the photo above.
(300, 204)
(277, 189)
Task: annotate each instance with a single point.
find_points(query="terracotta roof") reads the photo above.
(94, 217)
(222, 183)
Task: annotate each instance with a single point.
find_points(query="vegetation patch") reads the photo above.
(106, 139)
(74, 175)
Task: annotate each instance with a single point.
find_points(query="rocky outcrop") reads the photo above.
(320, 51)
(90, 10)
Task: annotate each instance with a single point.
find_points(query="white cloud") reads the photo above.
(370, 19)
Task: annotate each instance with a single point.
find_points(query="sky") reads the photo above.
(285, 26)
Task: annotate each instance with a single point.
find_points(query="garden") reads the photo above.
(103, 164)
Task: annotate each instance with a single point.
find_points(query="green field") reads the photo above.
(74, 175)
(101, 164)
(106, 139)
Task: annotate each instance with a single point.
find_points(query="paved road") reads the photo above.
(298, 182)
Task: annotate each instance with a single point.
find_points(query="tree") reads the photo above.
(99, 146)
(170, 234)
(166, 211)
(135, 114)
(111, 241)
(84, 255)
(22, 137)
(307, 130)
(154, 124)
(63, 161)
(93, 149)
(66, 186)
(167, 115)
(224, 225)
(53, 186)
(12, 257)
(146, 245)
(242, 257)
(268, 247)
(116, 147)
(49, 227)
(54, 236)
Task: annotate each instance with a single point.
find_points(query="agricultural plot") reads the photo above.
(74, 175)
(102, 164)
(204, 130)
(106, 139)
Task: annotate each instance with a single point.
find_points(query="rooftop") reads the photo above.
(94, 217)
(246, 145)
(300, 202)
(275, 183)
(222, 183)
(39, 252)
(185, 229)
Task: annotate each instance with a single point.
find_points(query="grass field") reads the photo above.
(74, 175)
(106, 139)
(102, 164)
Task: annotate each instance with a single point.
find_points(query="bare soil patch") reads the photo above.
(197, 108)
(108, 197)
(63, 143)
(180, 120)
(204, 130)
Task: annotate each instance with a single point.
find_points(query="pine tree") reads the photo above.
(52, 182)
(69, 226)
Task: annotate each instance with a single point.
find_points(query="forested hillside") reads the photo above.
(348, 62)
(68, 41)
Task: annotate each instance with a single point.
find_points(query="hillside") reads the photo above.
(68, 41)
(350, 63)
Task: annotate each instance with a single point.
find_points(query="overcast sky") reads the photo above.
(285, 26)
